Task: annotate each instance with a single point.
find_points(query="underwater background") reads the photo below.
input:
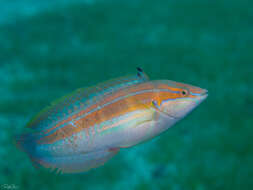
(50, 48)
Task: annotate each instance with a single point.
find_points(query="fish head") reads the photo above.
(178, 99)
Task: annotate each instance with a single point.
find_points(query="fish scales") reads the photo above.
(105, 113)
(96, 105)
(79, 100)
(88, 127)
(107, 99)
(132, 95)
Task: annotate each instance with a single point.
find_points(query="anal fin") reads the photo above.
(76, 163)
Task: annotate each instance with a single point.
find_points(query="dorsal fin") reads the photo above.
(81, 99)
(140, 73)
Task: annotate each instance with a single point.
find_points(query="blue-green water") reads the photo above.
(48, 49)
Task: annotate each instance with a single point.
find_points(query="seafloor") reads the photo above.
(49, 48)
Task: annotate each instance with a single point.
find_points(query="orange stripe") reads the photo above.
(110, 111)
(105, 100)
(123, 92)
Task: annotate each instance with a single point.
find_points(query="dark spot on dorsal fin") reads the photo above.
(139, 71)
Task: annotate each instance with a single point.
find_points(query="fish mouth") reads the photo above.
(204, 94)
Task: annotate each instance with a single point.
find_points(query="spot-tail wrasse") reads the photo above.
(85, 129)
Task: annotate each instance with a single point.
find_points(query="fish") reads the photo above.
(88, 127)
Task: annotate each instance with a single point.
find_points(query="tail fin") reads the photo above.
(19, 141)
(25, 143)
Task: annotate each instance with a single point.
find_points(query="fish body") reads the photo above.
(87, 128)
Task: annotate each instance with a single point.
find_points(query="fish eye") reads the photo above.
(184, 92)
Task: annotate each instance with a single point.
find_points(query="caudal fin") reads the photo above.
(25, 143)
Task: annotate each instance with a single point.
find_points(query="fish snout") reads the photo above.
(203, 94)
